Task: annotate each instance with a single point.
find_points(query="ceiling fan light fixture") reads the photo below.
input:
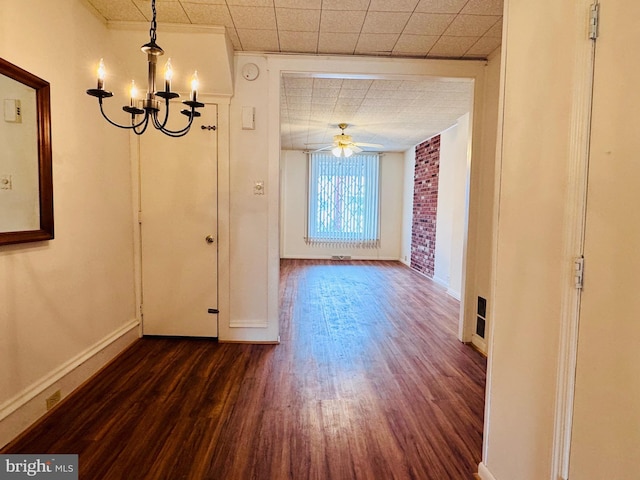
(342, 151)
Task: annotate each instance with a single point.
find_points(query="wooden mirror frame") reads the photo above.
(45, 179)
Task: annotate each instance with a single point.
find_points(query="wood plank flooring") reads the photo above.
(369, 382)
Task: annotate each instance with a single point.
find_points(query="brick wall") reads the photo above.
(425, 206)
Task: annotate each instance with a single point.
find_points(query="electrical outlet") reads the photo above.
(53, 399)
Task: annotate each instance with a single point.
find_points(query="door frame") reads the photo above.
(223, 103)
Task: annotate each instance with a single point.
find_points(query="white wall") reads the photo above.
(483, 167)
(409, 172)
(541, 47)
(66, 305)
(294, 182)
(452, 198)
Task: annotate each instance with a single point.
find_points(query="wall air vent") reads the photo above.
(482, 317)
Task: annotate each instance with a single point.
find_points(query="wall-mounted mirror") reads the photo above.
(26, 191)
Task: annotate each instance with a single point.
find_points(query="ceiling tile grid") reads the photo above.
(402, 28)
(395, 113)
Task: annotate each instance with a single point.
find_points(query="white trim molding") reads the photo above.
(22, 410)
(484, 473)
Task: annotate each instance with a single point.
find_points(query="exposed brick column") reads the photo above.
(425, 206)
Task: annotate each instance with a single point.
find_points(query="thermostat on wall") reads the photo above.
(250, 71)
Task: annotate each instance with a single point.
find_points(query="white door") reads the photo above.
(606, 423)
(178, 199)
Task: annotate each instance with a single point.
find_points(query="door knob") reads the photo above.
(210, 239)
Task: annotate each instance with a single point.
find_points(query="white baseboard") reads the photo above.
(484, 472)
(353, 257)
(21, 411)
(454, 293)
(440, 281)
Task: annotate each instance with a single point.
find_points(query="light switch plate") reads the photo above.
(248, 118)
(12, 110)
(258, 188)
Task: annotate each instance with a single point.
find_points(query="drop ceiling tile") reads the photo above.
(298, 20)
(323, 83)
(206, 2)
(385, 22)
(259, 40)
(251, 3)
(356, 84)
(376, 43)
(496, 30)
(291, 81)
(452, 47)
(471, 25)
(440, 6)
(322, 101)
(483, 47)
(255, 18)
(484, 7)
(395, 6)
(341, 21)
(235, 40)
(326, 93)
(298, 42)
(337, 43)
(350, 101)
(320, 109)
(345, 109)
(293, 91)
(306, 4)
(115, 10)
(167, 12)
(346, 93)
(344, 5)
(428, 24)
(208, 14)
(385, 85)
(414, 44)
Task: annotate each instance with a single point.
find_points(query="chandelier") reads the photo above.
(147, 110)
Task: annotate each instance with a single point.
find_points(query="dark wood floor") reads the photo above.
(369, 382)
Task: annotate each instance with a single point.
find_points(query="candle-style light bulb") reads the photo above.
(168, 76)
(102, 72)
(134, 92)
(194, 86)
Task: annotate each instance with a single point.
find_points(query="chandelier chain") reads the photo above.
(154, 25)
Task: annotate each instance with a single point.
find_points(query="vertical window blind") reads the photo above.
(343, 207)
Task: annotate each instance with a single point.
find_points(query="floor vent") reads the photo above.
(341, 257)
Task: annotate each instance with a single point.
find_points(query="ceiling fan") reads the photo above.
(344, 146)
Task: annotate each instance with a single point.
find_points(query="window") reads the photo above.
(343, 200)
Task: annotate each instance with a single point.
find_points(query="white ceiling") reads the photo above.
(395, 113)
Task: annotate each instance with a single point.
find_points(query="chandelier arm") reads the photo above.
(156, 122)
(126, 127)
(179, 133)
(144, 127)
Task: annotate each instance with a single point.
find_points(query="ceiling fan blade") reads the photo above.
(355, 148)
(372, 145)
(328, 147)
